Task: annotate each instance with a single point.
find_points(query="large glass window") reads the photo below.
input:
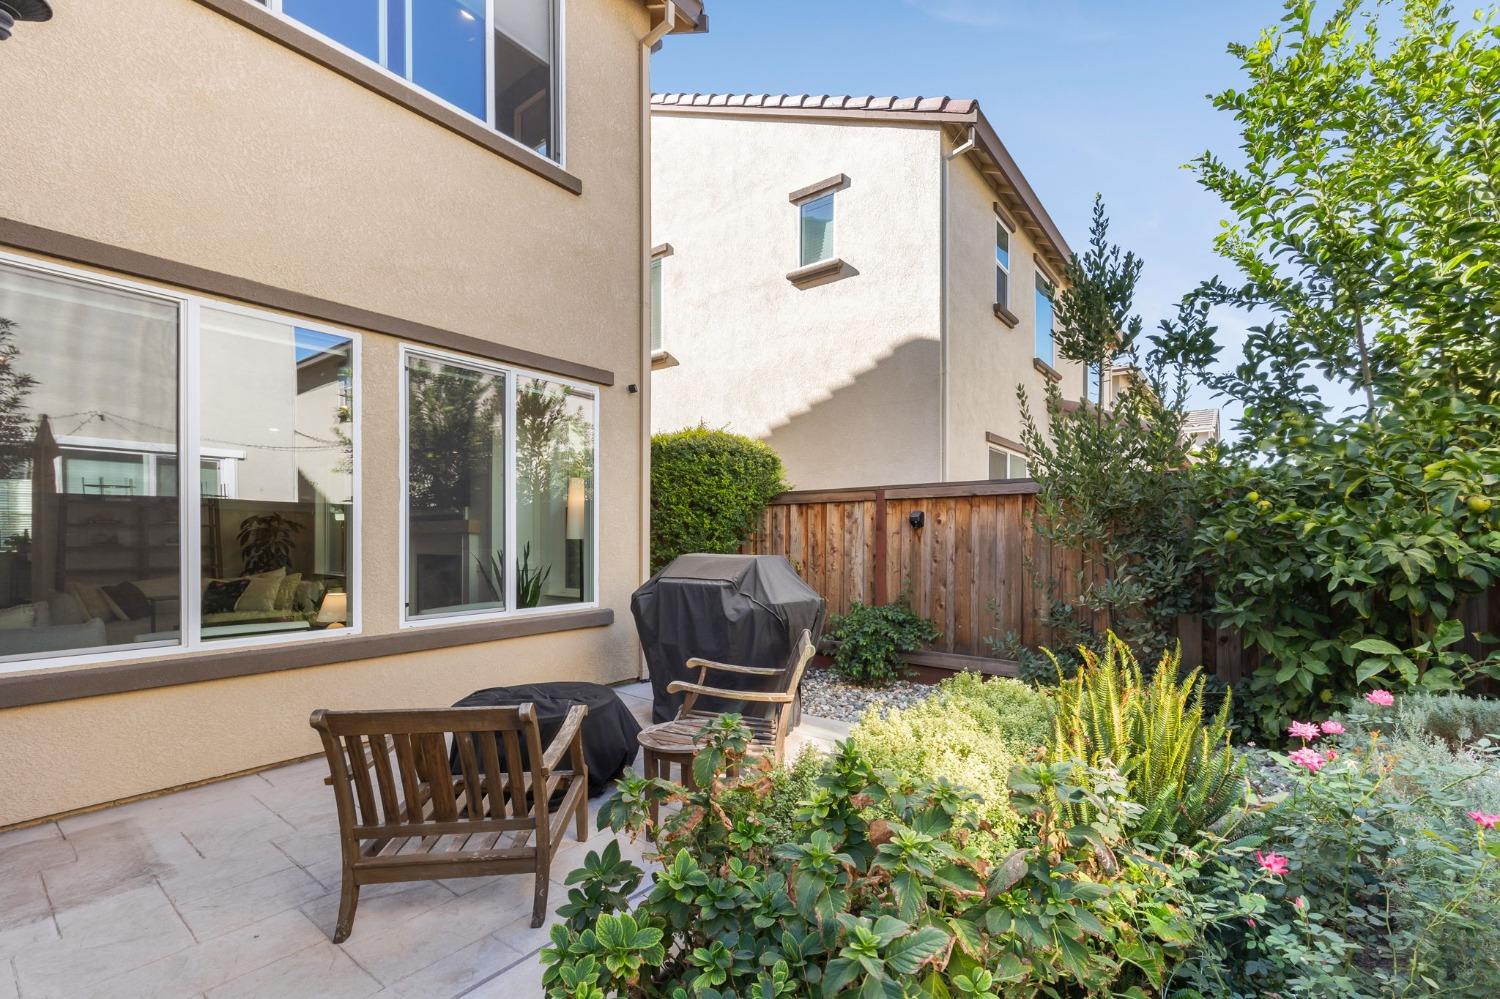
(280, 397)
(447, 48)
(1044, 293)
(554, 494)
(96, 538)
(475, 435)
(656, 274)
(817, 229)
(455, 474)
(90, 536)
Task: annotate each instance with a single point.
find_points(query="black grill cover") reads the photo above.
(747, 610)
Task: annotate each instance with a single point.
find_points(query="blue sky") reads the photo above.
(1089, 96)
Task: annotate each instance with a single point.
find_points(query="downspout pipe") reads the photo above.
(643, 256)
(943, 333)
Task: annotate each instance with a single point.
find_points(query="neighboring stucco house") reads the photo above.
(860, 282)
(377, 274)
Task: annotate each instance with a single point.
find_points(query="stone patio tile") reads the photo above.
(31, 834)
(393, 952)
(8, 987)
(101, 940)
(311, 847)
(379, 911)
(459, 971)
(34, 855)
(522, 979)
(223, 870)
(27, 934)
(192, 971)
(213, 915)
(321, 971)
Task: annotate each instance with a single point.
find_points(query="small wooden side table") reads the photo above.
(668, 743)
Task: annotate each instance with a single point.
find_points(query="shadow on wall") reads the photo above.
(881, 428)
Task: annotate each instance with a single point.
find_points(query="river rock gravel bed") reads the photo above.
(824, 695)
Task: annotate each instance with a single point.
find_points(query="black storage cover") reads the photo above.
(747, 610)
(609, 731)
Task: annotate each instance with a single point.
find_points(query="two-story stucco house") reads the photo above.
(375, 275)
(860, 282)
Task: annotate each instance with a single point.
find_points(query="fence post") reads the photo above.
(881, 553)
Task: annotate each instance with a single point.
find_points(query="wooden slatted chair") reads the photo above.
(405, 816)
(768, 730)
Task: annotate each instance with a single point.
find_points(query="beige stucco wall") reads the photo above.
(988, 360)
(164, 127)
(841, 377)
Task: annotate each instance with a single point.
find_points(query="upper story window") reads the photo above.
(817, 229)
(109, 392)
(656, 340)
(1044, 295)
(495, 60)
(1002, 263)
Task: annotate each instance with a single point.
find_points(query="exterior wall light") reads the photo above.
(12, 11)
(916, 520)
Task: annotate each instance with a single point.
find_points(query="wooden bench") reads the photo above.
(405, 816)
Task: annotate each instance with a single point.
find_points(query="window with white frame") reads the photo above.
(495, 60)
(656, 302)
(1045, 291)
(816, 229)
(106, 390)
(1002, 263)
(1006, 464)
(1093, 384)
(499, 473)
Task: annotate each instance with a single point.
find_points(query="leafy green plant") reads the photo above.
(1176, 761)
(1112, 492)
(972, 732)
(266, 541)
(1382, 881)
(708, 489)
(878, 894)
(1456, 720)
(869, 641)
(528, 580)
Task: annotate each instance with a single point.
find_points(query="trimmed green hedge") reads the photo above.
(708, 489)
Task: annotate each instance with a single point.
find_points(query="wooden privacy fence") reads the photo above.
(966, 555)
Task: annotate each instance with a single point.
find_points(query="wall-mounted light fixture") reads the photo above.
(916, 520)
(12, 11)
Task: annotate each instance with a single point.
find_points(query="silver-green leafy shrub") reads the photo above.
(973, 732)
(1454, 719)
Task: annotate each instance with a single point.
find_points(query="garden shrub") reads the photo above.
(1374, 876)
(708, 490)
(869, 641)
(1177, 763)
(877, 895)
(972, 732)
(1455, 719)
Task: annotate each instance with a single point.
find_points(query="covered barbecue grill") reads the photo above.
(747, 610)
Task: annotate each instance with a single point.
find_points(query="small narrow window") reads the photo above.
(656, 341)
(1008, 465)
(1093, 385)
(817, 230)
(1044, 294)
(1002, 264)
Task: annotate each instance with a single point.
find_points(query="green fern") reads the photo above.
(1178, 766)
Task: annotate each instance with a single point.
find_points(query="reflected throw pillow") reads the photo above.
(287, 590)
(220, 595)
(260, 592)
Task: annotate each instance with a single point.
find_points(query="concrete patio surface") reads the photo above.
(231, 890)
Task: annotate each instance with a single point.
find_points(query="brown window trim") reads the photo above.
(1046, 369)
(1006, 316)
(837, 182)
(1005, 442)
(147, 674)
(1005, 216)
(102, 256)
(263, 22)
(662, 250)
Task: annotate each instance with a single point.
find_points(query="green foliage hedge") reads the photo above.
(973, 732)
(708, 489)
(872, 639)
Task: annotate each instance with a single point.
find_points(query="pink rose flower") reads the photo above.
(1305, 731)
(1485, 821)
(1272, 863)
(1332, 728)
(1309, 758)
(1380, 698)
(1299, 902)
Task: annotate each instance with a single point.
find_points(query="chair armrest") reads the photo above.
(727, 668)
(572, 728)
(682, 687)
